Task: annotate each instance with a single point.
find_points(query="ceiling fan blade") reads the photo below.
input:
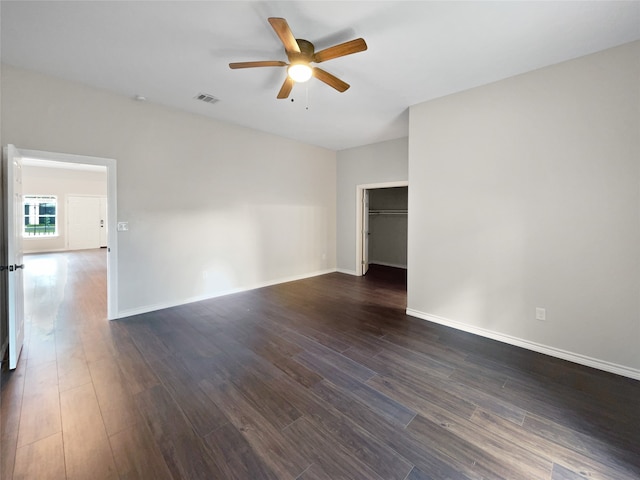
(267, 63)
(330, 80)
(285, 90)
(347, 48)
(283, 31)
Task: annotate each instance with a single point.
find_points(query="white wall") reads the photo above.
(526, 193)
(212, 207)
(61, 183)
(375, 163)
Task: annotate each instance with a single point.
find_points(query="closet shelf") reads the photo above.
(388, 212)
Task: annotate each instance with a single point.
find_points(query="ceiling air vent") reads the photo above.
(205, 97)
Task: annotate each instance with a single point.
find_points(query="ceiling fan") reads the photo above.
(301, 53)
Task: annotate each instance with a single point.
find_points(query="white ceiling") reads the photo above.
(170, 51)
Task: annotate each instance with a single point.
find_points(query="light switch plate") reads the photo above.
(123, 226)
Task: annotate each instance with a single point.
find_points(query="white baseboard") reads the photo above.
(348, 272)
(354, 273)
(385, 264)
(48, 250)
(161, 306)
(536, 347)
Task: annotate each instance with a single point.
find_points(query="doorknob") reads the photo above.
(11, 268)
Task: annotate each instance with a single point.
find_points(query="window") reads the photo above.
(40, 214)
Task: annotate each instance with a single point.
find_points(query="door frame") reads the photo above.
(112, 237)
(359, 213)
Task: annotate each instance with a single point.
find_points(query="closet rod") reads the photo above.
(388, 212)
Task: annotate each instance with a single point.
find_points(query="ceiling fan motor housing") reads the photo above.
(306, 52)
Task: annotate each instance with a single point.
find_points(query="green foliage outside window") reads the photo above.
(40, 215)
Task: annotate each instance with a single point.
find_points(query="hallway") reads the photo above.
(65, 330)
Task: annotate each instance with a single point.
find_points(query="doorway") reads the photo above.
(103, 233)
(381, 210)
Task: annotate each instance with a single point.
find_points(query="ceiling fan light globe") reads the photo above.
(299, 72)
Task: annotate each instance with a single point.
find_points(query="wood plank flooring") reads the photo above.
(324, 378)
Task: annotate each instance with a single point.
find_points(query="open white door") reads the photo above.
(14, 218)
(365, 231)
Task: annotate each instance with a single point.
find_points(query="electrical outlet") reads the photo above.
(541, 314)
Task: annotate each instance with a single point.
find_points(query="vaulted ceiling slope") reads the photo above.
(170, 51)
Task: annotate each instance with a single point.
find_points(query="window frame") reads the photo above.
(34, 202)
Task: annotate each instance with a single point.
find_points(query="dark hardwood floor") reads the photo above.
(324, 378)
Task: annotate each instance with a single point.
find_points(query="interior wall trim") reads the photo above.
(161, 306)
(346, 271)
(387, 264)
(536, 347)
(48, 250)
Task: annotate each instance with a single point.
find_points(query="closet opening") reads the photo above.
(382, 221)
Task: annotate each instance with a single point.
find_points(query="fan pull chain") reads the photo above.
(307, 99)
